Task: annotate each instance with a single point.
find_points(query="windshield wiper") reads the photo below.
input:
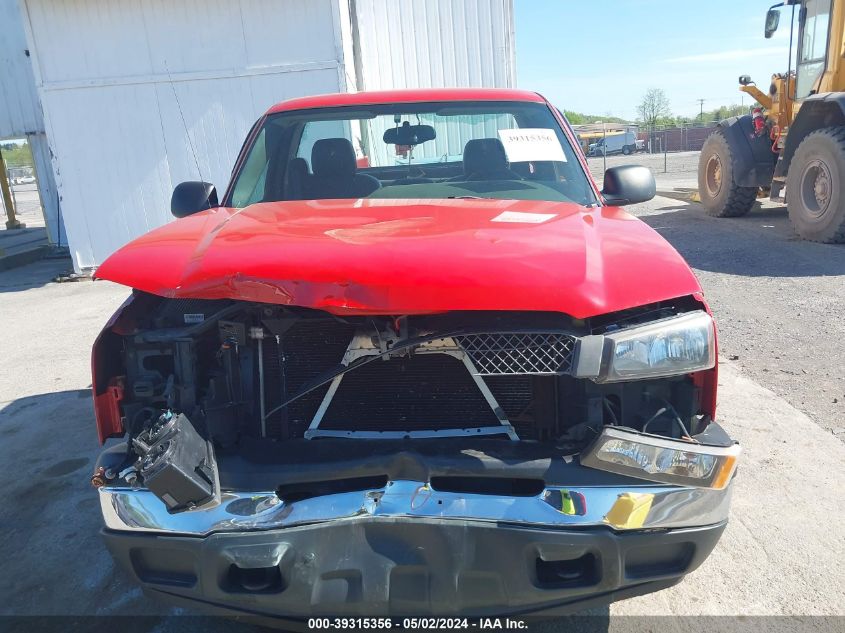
(466, 198)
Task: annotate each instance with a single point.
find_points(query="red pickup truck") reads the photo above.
(411, 362)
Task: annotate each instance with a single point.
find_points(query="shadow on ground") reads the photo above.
(761, 243)
(54, 562)
(34, 275)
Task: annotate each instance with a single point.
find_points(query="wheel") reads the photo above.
(720, 197)
(626, 150)
(814, 186)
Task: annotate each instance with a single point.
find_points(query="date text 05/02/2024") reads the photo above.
(482, 624)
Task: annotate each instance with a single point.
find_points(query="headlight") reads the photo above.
(662, 459)
(678, 345)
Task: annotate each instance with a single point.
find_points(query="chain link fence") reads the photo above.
(677, 138)
(671, 152)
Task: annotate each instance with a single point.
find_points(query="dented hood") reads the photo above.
(409, 257)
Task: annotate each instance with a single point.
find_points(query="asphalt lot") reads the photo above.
(779, 303)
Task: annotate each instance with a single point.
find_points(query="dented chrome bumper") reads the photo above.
(409, 548)
(620, 508)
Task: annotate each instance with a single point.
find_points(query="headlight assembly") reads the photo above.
(678, 345)
(661, 459)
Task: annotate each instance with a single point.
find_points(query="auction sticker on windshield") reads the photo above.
(532, 144)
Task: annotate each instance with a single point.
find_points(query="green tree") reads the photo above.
(577, 118)
(725, 112)
(17, 155)
(654, 108)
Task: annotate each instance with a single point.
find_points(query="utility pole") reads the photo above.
(701, 104)
(604, 143)
(12, 222)
(604, 146)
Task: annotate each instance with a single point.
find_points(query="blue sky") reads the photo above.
(600, 56)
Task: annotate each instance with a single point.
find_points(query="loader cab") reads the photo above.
(814, 19)
(813, 37)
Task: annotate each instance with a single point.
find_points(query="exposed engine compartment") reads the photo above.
(231, 376)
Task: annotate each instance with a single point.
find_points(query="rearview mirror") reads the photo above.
(628, 184)
(772, 21)
(408, 134)
(192, 196)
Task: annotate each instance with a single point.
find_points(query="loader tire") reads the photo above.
(815, 187)
(720, 196)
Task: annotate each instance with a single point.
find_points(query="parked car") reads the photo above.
(623, 143)
(473, 386)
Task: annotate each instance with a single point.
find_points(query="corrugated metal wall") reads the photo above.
(19, 110)
(117, 77)
(434, 44)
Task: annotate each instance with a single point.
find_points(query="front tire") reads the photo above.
(720, 196)
(626, 150)
(814, 187)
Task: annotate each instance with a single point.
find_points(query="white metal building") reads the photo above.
(131, 90)
(20, 113)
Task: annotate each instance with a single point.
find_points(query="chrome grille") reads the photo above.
(502, 353)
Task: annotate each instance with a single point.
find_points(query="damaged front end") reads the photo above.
(288, 461)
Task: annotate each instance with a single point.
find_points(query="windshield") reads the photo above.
(500, 150)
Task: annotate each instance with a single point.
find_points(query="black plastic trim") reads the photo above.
(301, 461)
(413, 566)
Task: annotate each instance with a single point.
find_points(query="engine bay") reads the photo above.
(207, 383)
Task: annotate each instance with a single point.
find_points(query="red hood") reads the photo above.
(409, 257)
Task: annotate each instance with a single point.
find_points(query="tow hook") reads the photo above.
(98, 479)
(102, 476)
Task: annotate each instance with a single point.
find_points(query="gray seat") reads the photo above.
(297, 175)
(485, 159)
(334, 172)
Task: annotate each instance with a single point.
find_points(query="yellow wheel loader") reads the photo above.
(794, 143)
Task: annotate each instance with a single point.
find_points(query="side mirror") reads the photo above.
(628, 184)
(192, 196)
(772, 21)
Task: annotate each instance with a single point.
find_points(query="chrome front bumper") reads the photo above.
(625, 508)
